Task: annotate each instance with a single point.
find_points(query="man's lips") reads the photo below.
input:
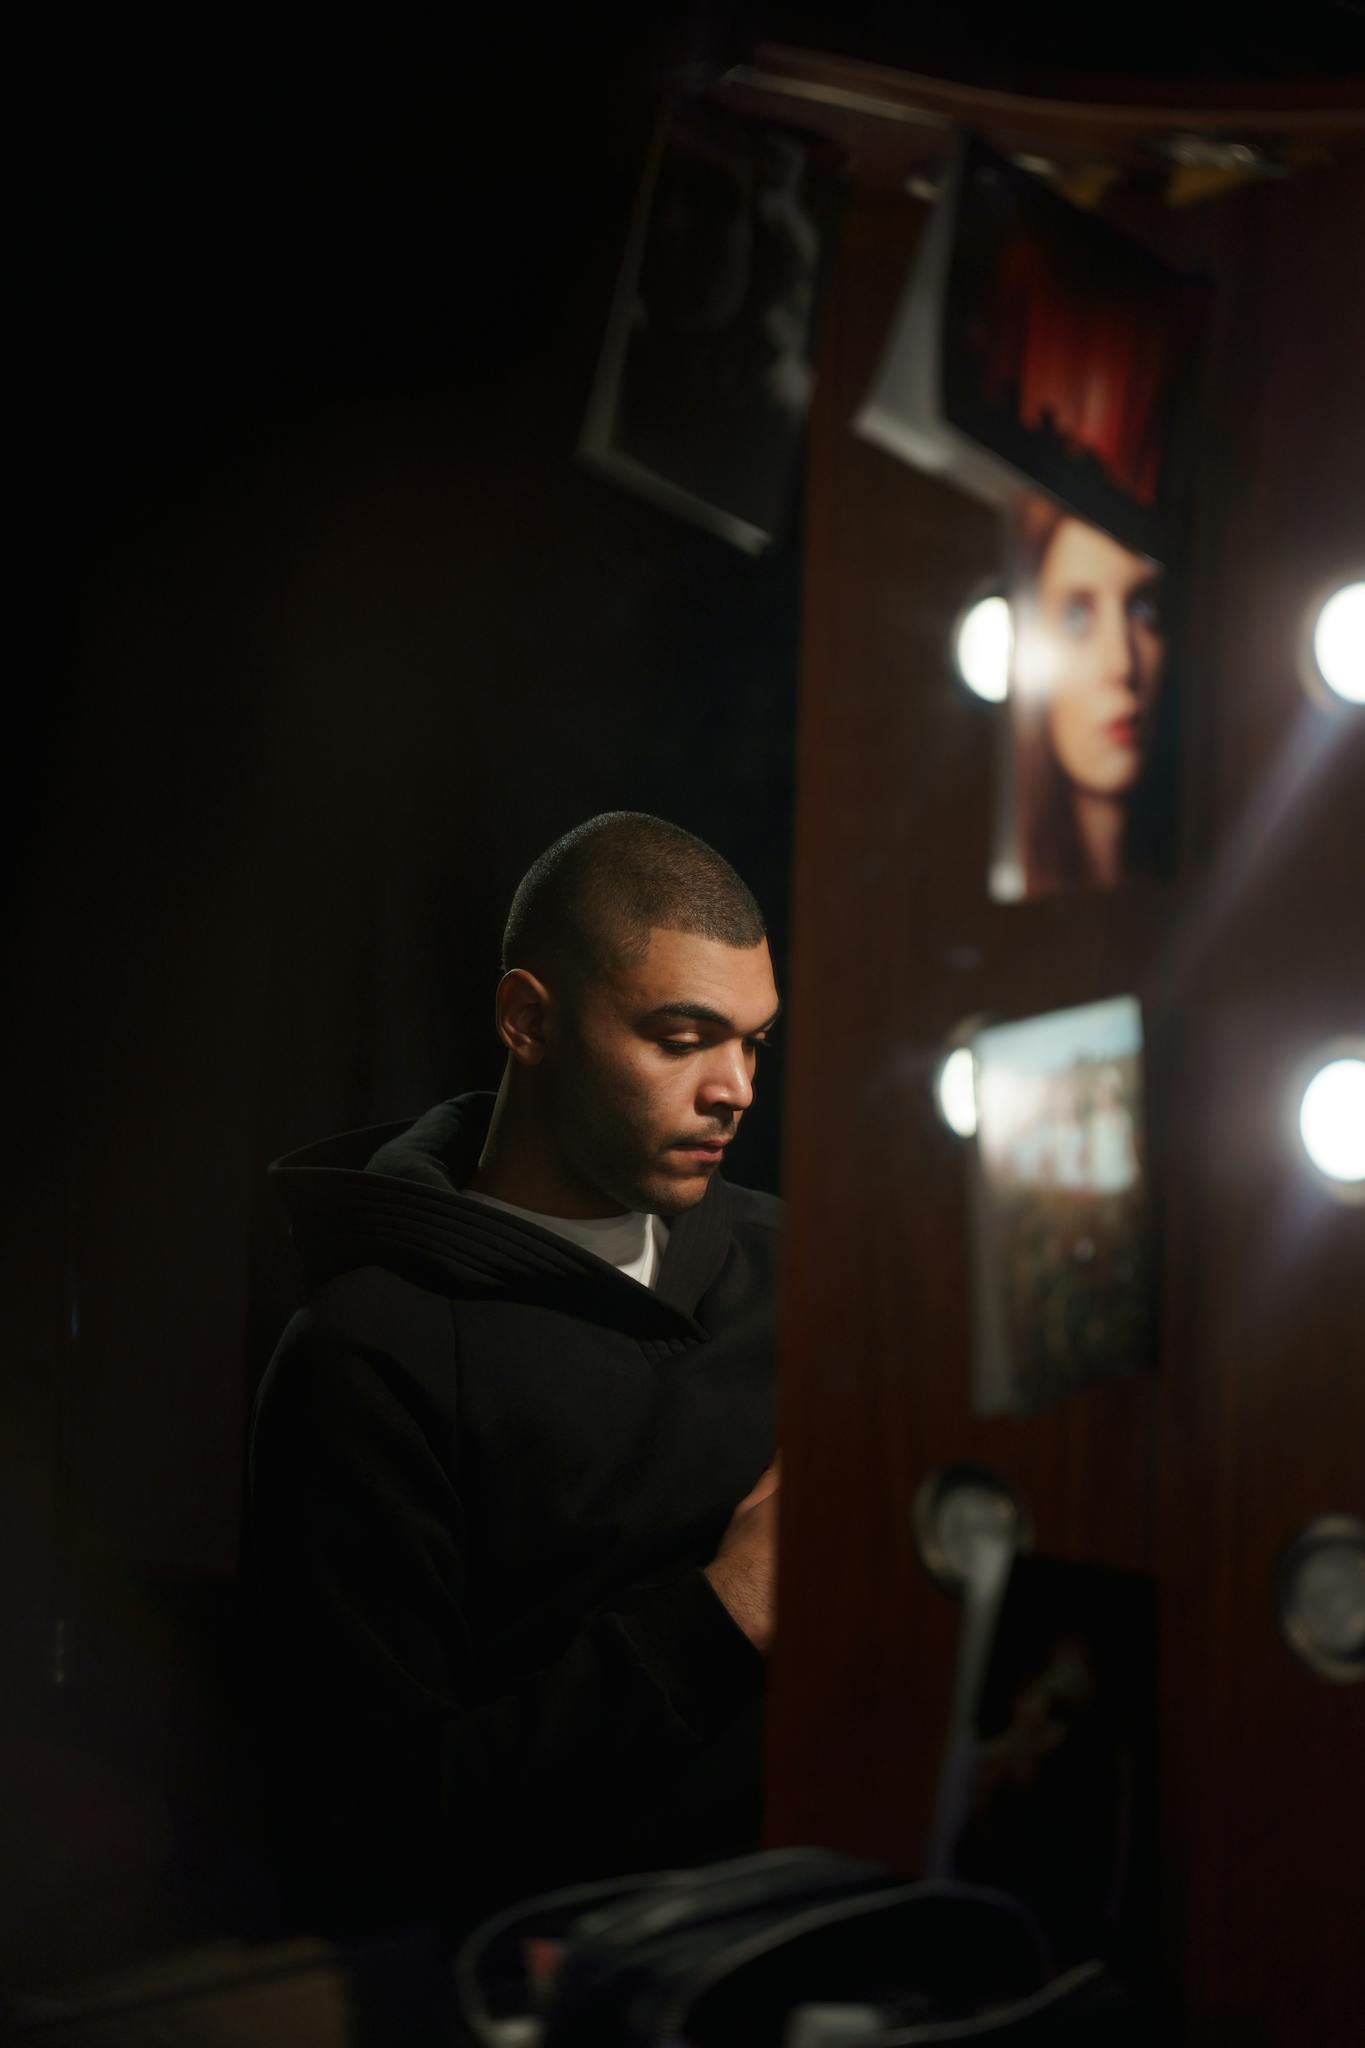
(700, 1148)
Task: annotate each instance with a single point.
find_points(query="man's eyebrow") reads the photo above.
(698, 1013)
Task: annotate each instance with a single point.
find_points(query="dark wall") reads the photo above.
(350, 635)
(336, 635)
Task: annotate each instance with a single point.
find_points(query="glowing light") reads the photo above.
(1339, 642)
(1332, 1120)
(981, 649)
(957, 1092)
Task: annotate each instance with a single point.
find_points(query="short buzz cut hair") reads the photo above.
(590, 902)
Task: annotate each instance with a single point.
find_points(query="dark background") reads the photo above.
(342, 634)
(334, 635)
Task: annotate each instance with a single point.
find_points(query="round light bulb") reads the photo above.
(1332, 1120)
(981, 648)
(1339, 642)
(957, 1092)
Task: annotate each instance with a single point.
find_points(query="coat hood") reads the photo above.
(391, 1196)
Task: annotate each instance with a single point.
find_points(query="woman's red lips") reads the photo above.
(1123, 732)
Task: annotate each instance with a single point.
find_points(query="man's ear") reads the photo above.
(523, 1007)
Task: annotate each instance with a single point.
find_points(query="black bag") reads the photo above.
(570, 1953)
(768, 1951)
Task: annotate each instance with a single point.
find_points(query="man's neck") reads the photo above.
(514, 1167)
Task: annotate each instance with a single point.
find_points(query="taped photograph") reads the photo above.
(708, 368)
(1088, 788)
(1037, 348)
(1062, 1224)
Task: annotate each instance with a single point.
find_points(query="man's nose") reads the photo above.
(726, 1082)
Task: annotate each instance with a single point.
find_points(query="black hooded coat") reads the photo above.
(486, 1470)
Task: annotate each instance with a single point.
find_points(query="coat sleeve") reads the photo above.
(397, 1788)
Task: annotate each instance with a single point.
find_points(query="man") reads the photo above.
(513, 1516)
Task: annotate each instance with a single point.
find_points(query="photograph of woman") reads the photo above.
(1090, 795)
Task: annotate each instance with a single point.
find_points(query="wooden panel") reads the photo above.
(1256, 1419)
(1264, 1416)
(888, 123)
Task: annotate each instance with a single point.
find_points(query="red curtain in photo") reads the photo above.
(1085, 356)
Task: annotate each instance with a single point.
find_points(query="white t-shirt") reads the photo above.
(633, 1243)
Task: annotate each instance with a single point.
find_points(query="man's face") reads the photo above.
(652, 1069)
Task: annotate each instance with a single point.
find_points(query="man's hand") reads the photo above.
(744, 1569)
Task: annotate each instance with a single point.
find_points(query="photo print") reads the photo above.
(1087, 778)
(708, 367)
(1064, 1272)
(1038, 349)
(1055, 1800)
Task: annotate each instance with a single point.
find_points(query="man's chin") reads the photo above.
(672, 1194)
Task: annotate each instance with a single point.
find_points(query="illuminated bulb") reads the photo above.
(982, 649)
(1332, 1120)
(1339, 642)
(957, 1092)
